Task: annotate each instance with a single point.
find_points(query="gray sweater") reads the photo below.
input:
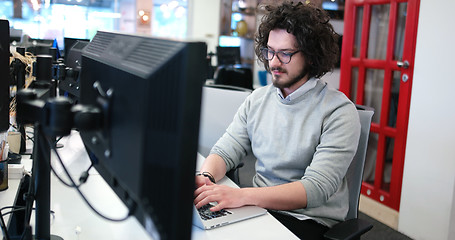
(311, 139)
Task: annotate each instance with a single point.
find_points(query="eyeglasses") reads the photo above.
(283, 57)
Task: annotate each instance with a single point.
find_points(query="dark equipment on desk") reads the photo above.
(69, 84)
(37, 46)
(150, 93)
(234, 75)
(138, 117)
(4, 75)
(17, 71)
(45, 79)
(228, 55)
(230, 71)
(68, 44)
(37, 105)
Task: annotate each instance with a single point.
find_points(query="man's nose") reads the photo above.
(274, 61)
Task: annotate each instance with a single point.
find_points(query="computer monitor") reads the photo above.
(4, 75)
(69, 84)
(74, 54)
(149, 91)
(68, 44)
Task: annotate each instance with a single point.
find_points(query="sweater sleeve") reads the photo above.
(235, 142)
(333, 155)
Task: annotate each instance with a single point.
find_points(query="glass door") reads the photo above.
(376, 70)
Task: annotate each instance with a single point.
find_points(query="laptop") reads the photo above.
(205, 219)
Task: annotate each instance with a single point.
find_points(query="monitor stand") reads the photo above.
(42, 185)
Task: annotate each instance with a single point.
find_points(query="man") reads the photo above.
(303, 134)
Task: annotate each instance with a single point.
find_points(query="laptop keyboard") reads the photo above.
(206, 214)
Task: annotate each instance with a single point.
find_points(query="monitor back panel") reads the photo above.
(4, 75)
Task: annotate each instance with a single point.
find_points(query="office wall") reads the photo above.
(204, 22)
(427, 200)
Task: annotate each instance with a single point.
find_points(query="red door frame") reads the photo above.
(390, 198)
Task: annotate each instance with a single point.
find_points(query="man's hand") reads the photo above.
(226, 197)
(201, 181)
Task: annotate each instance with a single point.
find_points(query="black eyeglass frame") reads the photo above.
(265, 53)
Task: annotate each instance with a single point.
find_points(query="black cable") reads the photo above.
(80, 192)
(17, 129)
(30, 132)
(3, 226)
(30, 195)
(7, 207)
(17, 208)
(29, 198)
(32, 139)
(2, 221)
(82, 179)
(20, 209)
(60, 179)
(13, 211)
(60, 138)
(13, 126)
(84, 176)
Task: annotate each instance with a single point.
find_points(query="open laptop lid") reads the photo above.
(234, 215)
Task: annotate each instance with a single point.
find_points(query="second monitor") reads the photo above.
(145, 145)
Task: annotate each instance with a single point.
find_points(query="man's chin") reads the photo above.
(279, 83)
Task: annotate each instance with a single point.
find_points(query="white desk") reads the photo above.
(75, 220)
(7, 197)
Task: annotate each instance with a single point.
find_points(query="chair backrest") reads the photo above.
(228, 55)
(219, 105)
(354, 174)
(234, 75)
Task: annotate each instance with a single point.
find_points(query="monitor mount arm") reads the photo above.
(51, 118)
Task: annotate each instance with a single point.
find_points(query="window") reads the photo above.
(169, 18)
(66, 18)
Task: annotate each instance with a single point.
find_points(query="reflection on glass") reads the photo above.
(75, 19)
(374, 82)
(358, 32)
(399, 31)
(379, 29)
(81, 19)
(170, 19)
(387, 172)
(354, 83)
(394, 96)
(370, 159)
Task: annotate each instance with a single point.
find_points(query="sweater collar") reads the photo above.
(311, 83)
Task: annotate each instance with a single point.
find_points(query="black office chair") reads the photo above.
(230, 71)
(228, 56)
(352, 227)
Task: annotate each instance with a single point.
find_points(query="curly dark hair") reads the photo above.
(310, 25)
